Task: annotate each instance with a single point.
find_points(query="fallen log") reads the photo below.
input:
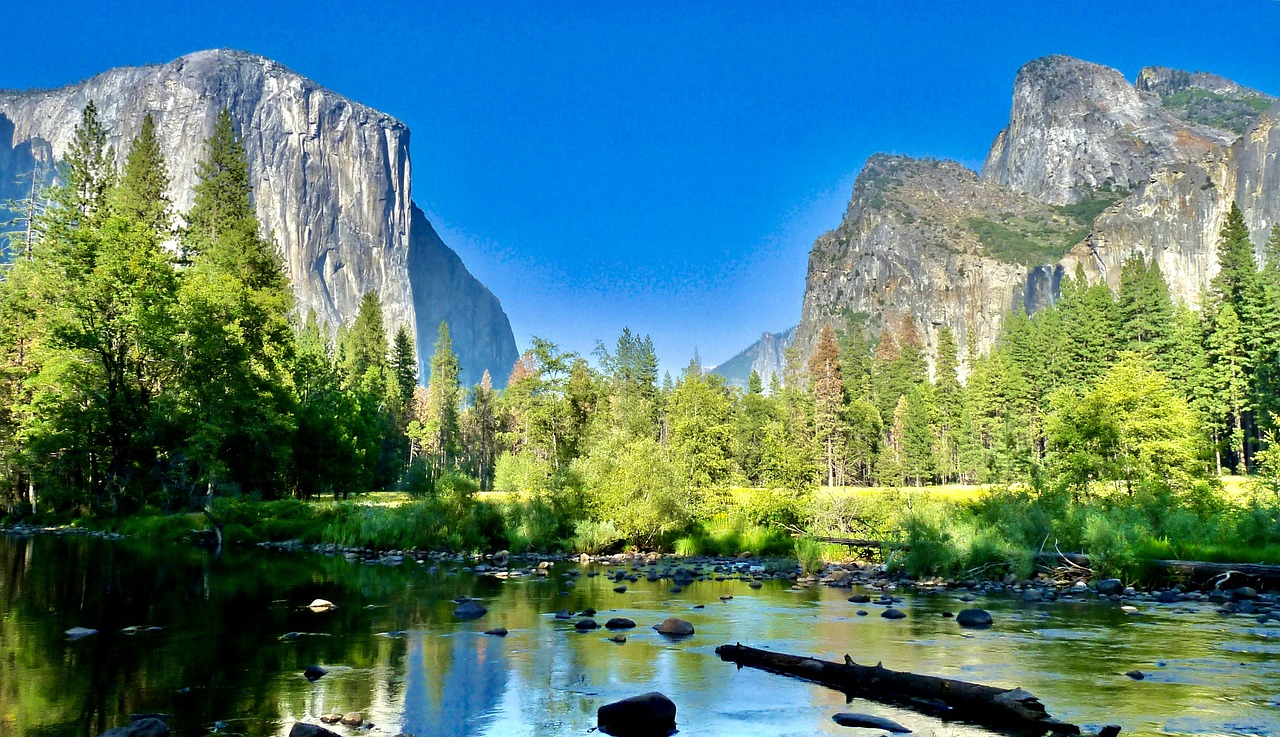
(997, 708)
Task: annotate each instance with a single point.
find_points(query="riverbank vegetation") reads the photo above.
(150, 371)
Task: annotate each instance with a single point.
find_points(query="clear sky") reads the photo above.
(662, 166)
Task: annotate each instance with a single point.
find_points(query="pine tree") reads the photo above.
(1237, 264)
(754, 385)
(827, 387)
(1144, 310)
(366, 345)
(1229, 379)
(404, 366)
(236, 302)
(949, 401)
(87, 174)
(437, 433)
(480, 429)
(140, 195)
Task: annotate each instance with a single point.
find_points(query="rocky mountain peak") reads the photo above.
(1077, 128)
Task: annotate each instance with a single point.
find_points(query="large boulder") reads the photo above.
(867, 721)
(147, 727)
(974, 618)
(470, 610)
(646, 715)
(674, 627)
(1110, 587)
(302, 729)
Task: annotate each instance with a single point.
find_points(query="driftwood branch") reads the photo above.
(1009, 710)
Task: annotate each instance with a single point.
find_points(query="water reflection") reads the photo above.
(237, 637)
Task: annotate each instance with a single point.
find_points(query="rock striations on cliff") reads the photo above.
(331, 185)
(1089, 171)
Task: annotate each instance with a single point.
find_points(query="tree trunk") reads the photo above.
(988, 706)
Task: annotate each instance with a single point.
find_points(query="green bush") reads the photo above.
(809, 554)
(595, 537)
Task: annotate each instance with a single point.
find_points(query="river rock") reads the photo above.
(647, 715)
(619, 623)
(497, 632)
(500, 558)
(756, 585)
(353, 719)
(1032, 596)
(321, 605)
(470, 610)
(314, 673)
(1245, 592)
(892, 613)
(1110, 587)
(860, 599)
(974, 618)
(1136, 675)
(619, 589)
(302, 729)
(564, 614)
(75, 633)
(1167, 597)
(674, 627)
(146, 727)
(620, 639)
(583, 625)
(331, 718)
(867, 721)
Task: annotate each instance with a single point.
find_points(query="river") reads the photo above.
(235, 636)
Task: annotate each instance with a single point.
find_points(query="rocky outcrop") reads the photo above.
(331, 185)
(932, 242)
(766, 357)
(1076, 128)
(1208, 99)
(1176, 217)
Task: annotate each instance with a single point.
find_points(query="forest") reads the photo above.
(154, 363)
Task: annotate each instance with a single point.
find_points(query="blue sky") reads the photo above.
(662, 166)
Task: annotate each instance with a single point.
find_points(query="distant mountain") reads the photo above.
(765, 356)
(331, 185)
(1089, 171)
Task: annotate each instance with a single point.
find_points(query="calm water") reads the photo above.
(221, 665)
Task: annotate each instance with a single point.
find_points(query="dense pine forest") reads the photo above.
(154, 362)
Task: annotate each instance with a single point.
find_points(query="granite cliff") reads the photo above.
(766, 356)
(1090, 170)
(331, 184)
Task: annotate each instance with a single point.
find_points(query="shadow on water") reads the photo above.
(236, 637)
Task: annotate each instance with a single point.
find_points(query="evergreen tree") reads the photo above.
(1228, 379)
(140, 195)
(480, 430)
(949, 401)
(404, 366)
(235, 302)
(1144, 310)
(437, 431)
(1237, 264)
(827, 387)
(366, 348)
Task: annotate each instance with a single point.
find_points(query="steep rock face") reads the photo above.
(767, 357)
(331, 183)
(1176, 217)
(479, 328)
(912, 246)
(1078, 127)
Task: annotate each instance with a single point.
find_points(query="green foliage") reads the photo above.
(1231, 112)
(637, 486)
(590, 536)
(809, 554)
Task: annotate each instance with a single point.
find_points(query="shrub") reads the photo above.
(595, 537)
(809, 554)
